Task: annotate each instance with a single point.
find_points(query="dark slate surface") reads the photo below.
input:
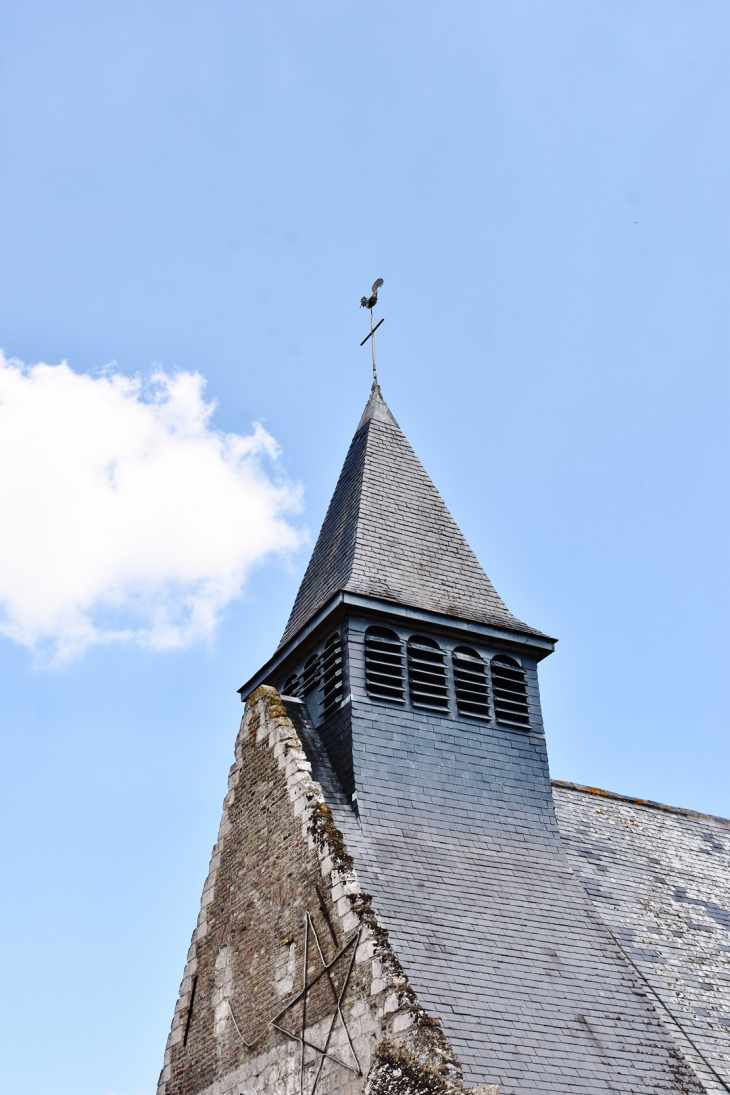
(388, 534)
(322, 770)
(458, 845)
(456, 837)
(659, 877)
(336, 733)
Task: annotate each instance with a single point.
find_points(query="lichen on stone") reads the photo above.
(395, 1071)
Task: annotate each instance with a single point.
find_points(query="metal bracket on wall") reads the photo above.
(302, 996)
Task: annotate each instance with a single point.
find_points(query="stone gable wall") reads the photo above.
(277, 858)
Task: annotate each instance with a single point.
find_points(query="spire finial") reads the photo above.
(370, 302)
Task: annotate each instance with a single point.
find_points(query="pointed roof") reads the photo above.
(387, 534)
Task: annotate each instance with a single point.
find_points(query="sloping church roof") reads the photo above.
(387, 534)
(658, 878)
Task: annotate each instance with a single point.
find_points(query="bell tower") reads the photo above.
(395, 619)
(390, 909)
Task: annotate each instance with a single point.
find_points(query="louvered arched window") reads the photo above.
(384, 665)
(292, 686)
(311, 674)
(332, 674)
(510, 691)
(427, 674)
(470, 683)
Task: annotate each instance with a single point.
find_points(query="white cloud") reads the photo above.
(126, 516)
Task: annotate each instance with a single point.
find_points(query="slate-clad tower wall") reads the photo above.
(458, 846)
(457, 842)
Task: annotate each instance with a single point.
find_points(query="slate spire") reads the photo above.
(388, 535)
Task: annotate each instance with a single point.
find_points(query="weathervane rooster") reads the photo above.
(371, 301)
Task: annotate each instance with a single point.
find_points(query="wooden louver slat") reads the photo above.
(311, 674)
(384, 665)
(427, 681)
(509, 685)
(292, 686)
(332, 674)
(470, 683)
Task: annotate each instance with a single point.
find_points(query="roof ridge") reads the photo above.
(681, 810)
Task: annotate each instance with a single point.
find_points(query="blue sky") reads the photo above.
(210, 189)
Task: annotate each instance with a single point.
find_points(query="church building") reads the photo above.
(400, 900)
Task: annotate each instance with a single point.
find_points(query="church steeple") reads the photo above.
(390, 824)
(388, 535)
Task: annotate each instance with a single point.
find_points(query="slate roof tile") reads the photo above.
(388, 534)
(656, 861)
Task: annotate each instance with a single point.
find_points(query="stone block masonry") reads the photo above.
(281, 880)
